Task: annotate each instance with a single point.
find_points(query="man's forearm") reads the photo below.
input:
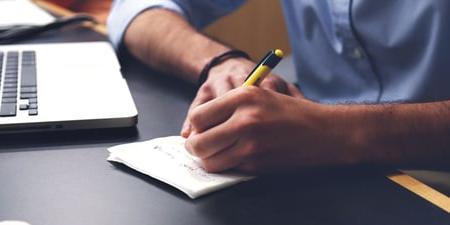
(165, 41)
(401, 134)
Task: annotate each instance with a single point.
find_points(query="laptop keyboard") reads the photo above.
(11, 63)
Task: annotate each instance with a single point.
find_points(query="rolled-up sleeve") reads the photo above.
(198, 12)
(124, 11)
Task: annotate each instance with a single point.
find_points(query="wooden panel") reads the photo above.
(422, 190)
(256, 27)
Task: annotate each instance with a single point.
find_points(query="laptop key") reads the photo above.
(10, 90)
(32, 100)
(10, 95)
(28, 80)
(28, 76)
(28, 90)
(28, 95)
(8, 109)
(23, 107)
(9, 100)
(32, 106)
(29, 70)
(11, 80)
(1, 66)
(10, 85)
(33, 112)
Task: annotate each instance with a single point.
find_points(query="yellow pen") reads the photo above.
(263, 68)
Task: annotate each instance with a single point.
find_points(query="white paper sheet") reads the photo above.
(167, 160)
(22, 12)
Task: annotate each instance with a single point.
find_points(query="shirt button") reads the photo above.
(357, 53)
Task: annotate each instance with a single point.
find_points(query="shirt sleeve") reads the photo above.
(198, 12)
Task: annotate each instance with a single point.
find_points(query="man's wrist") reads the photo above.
(365, 129)
(348, 126)
(234, 64)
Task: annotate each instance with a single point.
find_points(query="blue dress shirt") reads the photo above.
(345, 51)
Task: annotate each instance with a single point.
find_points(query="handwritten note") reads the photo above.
(167, 160)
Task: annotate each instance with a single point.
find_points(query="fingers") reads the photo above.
(274, 83)
(214, 140)
(224, 160)
(208, 92)
(217, 111)
(294, 91)
(186, 129)
(237, 81)
(222, 86)
(203, 95)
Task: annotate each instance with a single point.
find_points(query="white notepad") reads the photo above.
(167, 160)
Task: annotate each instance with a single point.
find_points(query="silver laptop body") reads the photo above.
(62, 87)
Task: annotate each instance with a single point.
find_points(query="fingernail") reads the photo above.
(186, 130)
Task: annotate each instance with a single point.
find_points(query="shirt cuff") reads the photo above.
(123, 12)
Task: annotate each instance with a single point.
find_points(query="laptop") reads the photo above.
(62, 87)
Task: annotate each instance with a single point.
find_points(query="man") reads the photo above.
(373, 77)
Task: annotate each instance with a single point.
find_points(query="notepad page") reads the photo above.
(167, 160)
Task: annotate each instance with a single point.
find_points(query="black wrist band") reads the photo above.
(218, 60)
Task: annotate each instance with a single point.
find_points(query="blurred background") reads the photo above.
(255, 27)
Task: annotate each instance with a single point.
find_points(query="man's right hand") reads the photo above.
(227, 76)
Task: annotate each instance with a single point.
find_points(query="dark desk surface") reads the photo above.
(64, 178)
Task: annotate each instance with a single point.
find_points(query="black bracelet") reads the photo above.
(218, 60)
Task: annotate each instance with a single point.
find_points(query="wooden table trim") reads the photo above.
(422, 190)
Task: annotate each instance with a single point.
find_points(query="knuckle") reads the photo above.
(250, 95)
(229, 78)
(251, 117)
(249, 150)
(248, 123)
(193, 146)
(205, 89)
(195, 117)
(209, 166)
(253, 147)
